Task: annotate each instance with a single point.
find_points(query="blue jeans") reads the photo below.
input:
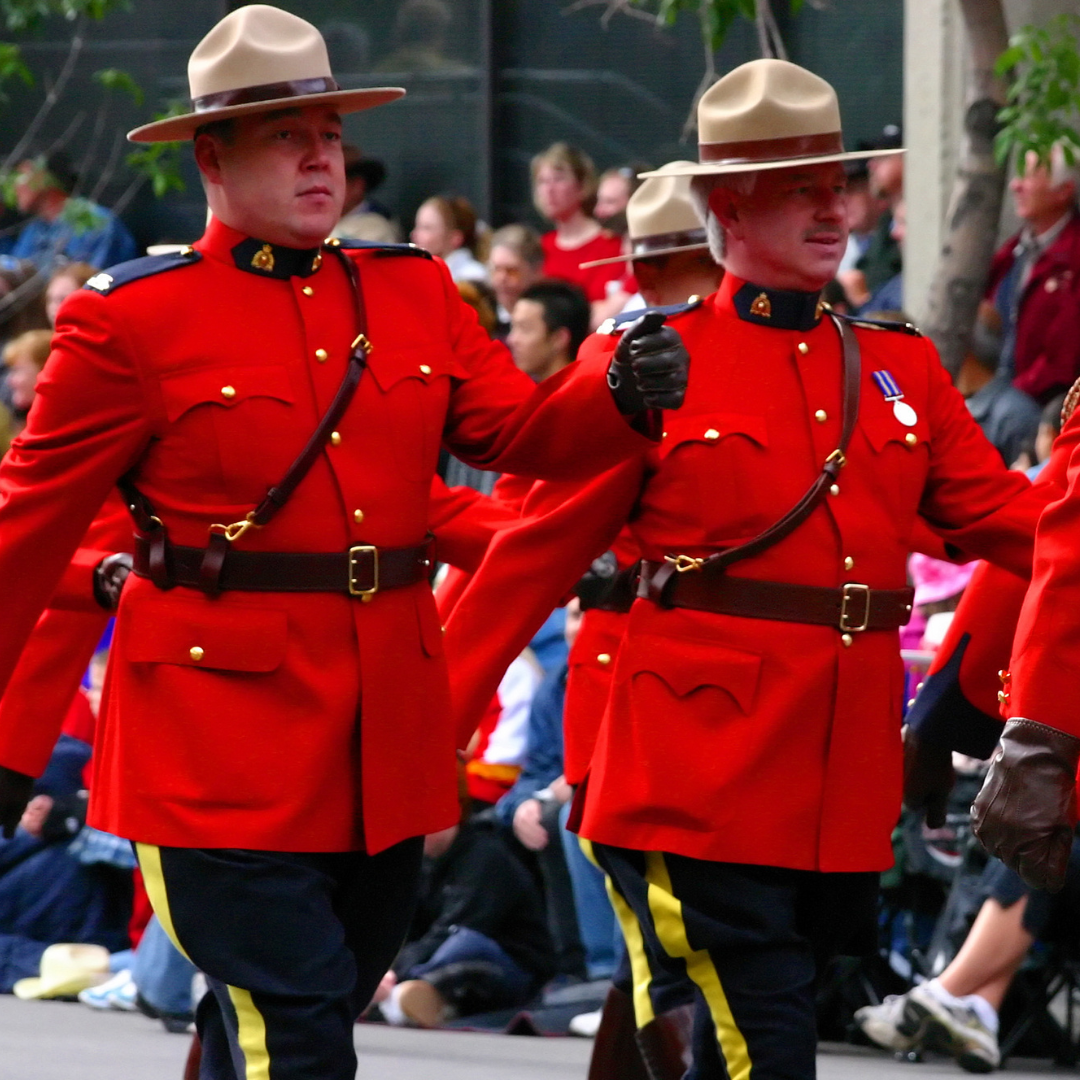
(475, 974)
(161, 972)
(600, 934)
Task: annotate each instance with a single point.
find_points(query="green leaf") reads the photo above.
(115, 79)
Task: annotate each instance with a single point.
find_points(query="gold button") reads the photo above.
(835, 489)
(847, 639)
(663, 435)
(1002, 697)
(803, 347)
(196, 653)
(333, 241)
(307, 290)
(321, 355)
(712, 433)
(335, 438)
(358, 516)
(911, 438)
(228, 391)
(821, 416)
(604, 658)
(849, 563)
(425, 369)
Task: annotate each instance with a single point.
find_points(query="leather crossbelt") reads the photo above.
(851, 608)
(361, 571)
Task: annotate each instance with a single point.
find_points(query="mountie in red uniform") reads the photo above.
(203, 425)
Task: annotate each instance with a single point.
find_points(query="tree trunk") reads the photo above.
(975, 207)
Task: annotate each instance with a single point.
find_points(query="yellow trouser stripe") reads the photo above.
(252, 1035)
(640, 971)
(667, 916)
(154, 880)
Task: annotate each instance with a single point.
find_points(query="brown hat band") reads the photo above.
(663, 241)
(796, 146)
(245, 95)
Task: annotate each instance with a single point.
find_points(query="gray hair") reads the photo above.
(1061, 172)
(701, 189)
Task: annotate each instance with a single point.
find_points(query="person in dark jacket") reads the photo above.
(479, 940)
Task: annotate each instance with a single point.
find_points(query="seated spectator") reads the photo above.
(1035, 280)
(24, 357)
(958, 1011)
(612, 194)
(882, 258)
(44, 187)
(65, 280)
(564, 191)
(864, 210)
(548, 324)
(479, 940)
(890, 295)
(446, 226)
(22, 298)
(1008, 417)
(362, 218)
(1049, 430)
(514, 263)
(480, 298)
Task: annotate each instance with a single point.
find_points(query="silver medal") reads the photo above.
(904, 413)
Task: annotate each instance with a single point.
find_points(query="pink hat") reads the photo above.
(936, 580)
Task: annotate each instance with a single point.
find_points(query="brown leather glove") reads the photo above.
(928, 777)
(15, 790)
(1026, 811)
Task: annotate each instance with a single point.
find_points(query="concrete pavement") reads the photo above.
(59, 1041)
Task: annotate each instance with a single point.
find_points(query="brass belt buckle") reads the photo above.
(354, 554)
(853, 589)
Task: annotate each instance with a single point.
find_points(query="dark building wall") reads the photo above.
(490, 82)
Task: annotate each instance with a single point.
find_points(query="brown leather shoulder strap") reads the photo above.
(776, 532)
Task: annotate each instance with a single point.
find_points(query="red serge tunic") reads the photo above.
(752, 740)
(300, 721)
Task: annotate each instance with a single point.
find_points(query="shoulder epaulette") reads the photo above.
(881, 324)
(380, 249)
(108, 281)
(625, 318)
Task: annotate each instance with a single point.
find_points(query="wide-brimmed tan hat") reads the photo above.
(259, 58)
(65, 970)
(769, 114)
(661, 217)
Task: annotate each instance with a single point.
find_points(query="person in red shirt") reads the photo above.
(564, 191)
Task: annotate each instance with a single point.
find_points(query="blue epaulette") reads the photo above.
(880, 324)
(108, 281)
(380, 249)
(625, 318)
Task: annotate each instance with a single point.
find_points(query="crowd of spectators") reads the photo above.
(511, 905)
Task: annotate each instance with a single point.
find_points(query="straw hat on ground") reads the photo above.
(661, 217)
(768, 114)
(65, 970)
(259, 58)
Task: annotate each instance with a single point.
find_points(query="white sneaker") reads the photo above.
(118, 993)
(586, 1024)
(953, 1029)
(884, 1024)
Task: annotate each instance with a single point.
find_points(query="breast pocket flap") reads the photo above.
(205, 635)
(227, 387)
(713, 428)
(424, 363)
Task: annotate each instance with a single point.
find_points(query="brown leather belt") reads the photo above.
(851, 608)
(361, 571)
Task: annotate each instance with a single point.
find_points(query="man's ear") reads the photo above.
(722, 203)
(560, 338)
(208, 158)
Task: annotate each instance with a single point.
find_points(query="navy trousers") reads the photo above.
(751, 939)
(293, 946)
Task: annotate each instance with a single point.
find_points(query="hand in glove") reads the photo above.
(928, 777)
(1026, 811)
(109, 577)
(15, 790)
(650, 367)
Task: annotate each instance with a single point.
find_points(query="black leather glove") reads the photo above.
(1025, 813)
(15, 791)
(109, 577)
(928, 778)
(596, 584)
(66, 818)
(650, 367)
